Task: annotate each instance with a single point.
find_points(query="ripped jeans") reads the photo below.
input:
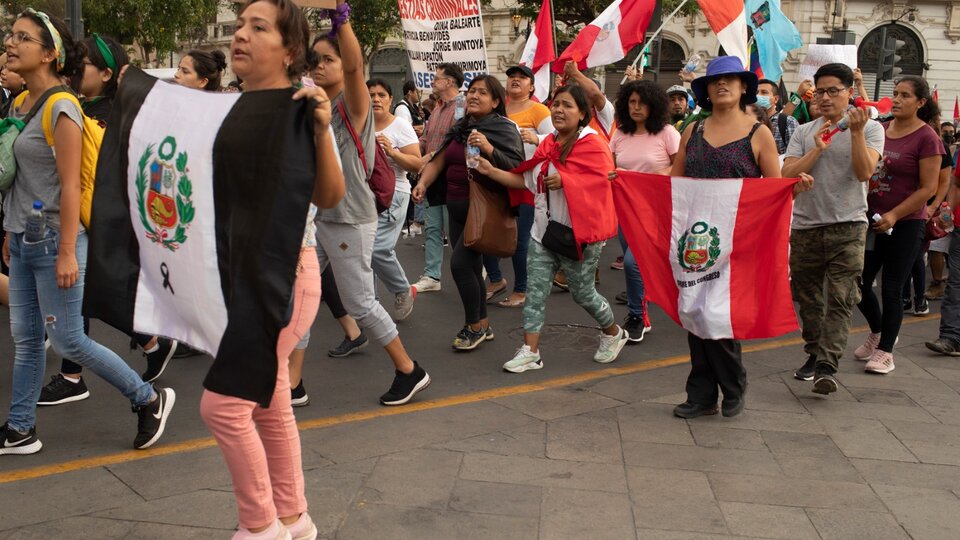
(38, 305)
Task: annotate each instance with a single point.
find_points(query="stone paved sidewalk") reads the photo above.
(879, 459)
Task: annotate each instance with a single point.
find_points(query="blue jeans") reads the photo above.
(631, 273)
(419, 209)
(385, 264)
(433, 240)
(950, 308)
(38, 305)
(492, 264)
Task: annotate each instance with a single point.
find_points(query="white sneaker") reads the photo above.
(522, 361)
(426, 284)
(415, 229)
(610, 346)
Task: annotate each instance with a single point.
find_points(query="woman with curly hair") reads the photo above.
(644, 141)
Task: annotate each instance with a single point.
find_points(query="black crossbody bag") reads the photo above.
(558, 237)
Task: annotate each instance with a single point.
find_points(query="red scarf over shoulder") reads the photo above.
(585, 184)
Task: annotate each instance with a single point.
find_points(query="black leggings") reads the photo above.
(918, 272)
(895, 254)
(466, 265)
(330, 295)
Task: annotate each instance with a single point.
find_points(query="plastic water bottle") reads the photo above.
(473, 154)
(461, 107)
(946, 217)
(36, 225)
(692, 64)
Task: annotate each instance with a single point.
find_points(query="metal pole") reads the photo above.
(655, 34)
(74, 12)
(883, 44)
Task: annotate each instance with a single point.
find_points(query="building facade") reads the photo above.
(929, 28)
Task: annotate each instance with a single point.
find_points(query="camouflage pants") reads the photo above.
(825, 267)
(542, 265)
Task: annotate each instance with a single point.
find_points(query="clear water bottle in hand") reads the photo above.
(461, 107)
(36, 227)
(473, 154)
(946, 217)
(692, 64)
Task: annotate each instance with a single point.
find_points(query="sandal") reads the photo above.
(512, 302)
(497, 288)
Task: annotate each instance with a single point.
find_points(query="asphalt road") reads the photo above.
(104, 424)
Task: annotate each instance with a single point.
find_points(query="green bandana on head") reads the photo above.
(105, 52)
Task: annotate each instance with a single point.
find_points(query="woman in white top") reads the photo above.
(398, 139)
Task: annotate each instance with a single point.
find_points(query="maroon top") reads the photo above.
(458, 186)
(898, 173)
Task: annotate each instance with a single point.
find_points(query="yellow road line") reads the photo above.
(483, 395)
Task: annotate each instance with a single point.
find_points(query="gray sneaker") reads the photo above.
(945, 346)
(610, 346)
(403, 305)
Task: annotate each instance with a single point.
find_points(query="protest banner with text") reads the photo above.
(443, 31)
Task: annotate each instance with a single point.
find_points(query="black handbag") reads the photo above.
(559, 238)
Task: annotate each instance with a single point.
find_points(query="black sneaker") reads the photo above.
(15, 443)
(59, 391)
(921, 307)
(157, 360)
(152, 417)
(298, 396)
(467, 339)
(349, 346)
(824, 384)
(907, 305)
(693, 410)
(633, 324)
(808, 370)
(622, 297)
(185, 351)
(945, 346)
(488, 334)
(404, 386)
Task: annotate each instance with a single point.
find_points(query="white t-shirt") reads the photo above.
(559, 211)
(400, 133)
(606, 116)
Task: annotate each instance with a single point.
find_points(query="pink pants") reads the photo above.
(262, 446)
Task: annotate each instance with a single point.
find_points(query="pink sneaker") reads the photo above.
(303, 528)
(880, 362)
(865, 351)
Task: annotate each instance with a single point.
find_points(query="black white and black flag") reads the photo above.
(198, 215)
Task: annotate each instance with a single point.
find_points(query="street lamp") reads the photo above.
(515, 17)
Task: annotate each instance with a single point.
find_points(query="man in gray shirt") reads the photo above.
(830, 222)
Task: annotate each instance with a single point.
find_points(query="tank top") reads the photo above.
(732, 160)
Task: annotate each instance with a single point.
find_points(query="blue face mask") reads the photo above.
(763, 102)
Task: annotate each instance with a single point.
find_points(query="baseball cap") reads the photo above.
(676, 89)
(524, 70)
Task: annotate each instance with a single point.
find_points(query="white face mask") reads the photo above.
(763, 102)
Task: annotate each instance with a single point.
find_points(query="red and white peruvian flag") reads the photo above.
(610, 36)
(728, 20)
(539, 52)
(714, 254)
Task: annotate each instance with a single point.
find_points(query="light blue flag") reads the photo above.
(774, 33)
